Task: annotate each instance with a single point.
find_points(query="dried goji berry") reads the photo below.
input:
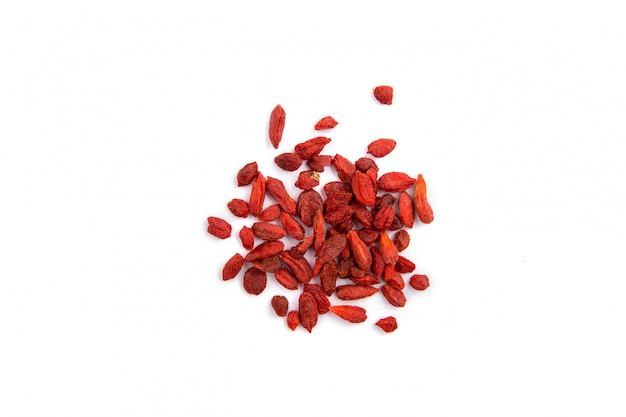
(309, 202)
(288, 161)
(270, 213)
(307, 149)
(299, 266)
(384, 218)
(378, 264)
(269, 264)
(247, 237)
(403, 265)
(277, 124)
(401, 240)
(354, 292)
(257, 195)
(424, 211)
(291, 225)
(307, 180)
(280, 304)
(353, 314)
(360, 252)
(319, 162)
(238, 207)
(405, 209)
(276, 189)
(419, 282)
(328, 277)
(247, 174)
(394, 296)
(388, 324)
(265, 250)
(330, 249)
(286, 279)
(368, 236)
(254, 281)
(308, 311)
(366, 280)
(363, 189)
(395, 182)
(293, 319)
(387, 248)
(345, 169)
(320, 297)
(326, 123)
(336, 187)
(232, 267)
(268, 231)
(381, 147)
(364, 164)
(219, 227)
(384, 94)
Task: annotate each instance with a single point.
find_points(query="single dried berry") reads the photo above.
(387, 248)
(337, 200)
(277, 124)
(424, 211)
(257, 195)
(366, 280)
(268, 231)
(280, 304)
(299, 266)
(254, 281)
(388, 324)
(326, 123)
(384, 94)
(307, 149)
(286, 279)
(362, 215)
(393, 278)
(360, 252)
(401, 240)
(219, 227)
(270, 213)
(363, 189)
(330, 249)
(378, 264)
(419, 282)
(403, 265)
(288, 161)
(353, 314)
(336, 187)
(269, 264)
(381, 147)
(309, 202)
(320, 297)
(319, 162)
(384, 218)
(318, 231)
(406, 212)
(291, 225)
(328, 277)
(308, 310)
(354, 292)
(394, 296)
(307, 180)
(247, 237)
(247, 174)
(232, 267)
(345, 169)
(293, 319)
(276, 189)
(265, 250)
(238, 207)
(364, 164)
(395, 182)
(305, 244)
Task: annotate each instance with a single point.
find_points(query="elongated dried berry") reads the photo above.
(353, 314)
(406, 212)
(360, 252)
(381, 147)
(366, 280)
(291, 225)
(328, 277)
(419, 282)
(276, 189)
(403, 265)
(286, 279)
(268, 231)
(254, 281)
(354, 292)
(384, 94)
(270, 213)
(424, 211)
(345, 169)
(307, 180)
(308, 311)
(247, 174)
(280, 304)
(395, 182)
(309, 202)
(319, 162)
(388, 324)
(293, 320)
(388, 249)
(247, 237)
(232, 267)
(219, 227)
(277, 124)
(257, 195)
(330, 249)
(363, 189)
(394, 296)
(364, 164)
(384, 218)
(269, 264)
(311, 147)
(238, 207)
(288, 161)
(326, 123)
(320, 297)
(265, 250)
(299, 266)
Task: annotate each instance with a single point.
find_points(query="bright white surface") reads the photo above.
(124, 124)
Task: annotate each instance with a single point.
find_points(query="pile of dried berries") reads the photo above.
(347, 231)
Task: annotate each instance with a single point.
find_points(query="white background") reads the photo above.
(123, 125)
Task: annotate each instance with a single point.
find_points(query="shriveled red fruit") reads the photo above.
(388, 324)
(360, 252)
(319, 162)
(257, 194)
(299, 266)
(401, 239)
(395, 182)
(293, 320)
(265, 250)
(353, 314)
(288, 161)
(406, 212)
(307, 180)
(326, 123)
(336, 187)
(384, 94)
(388, 249)
(419, 282)
(247, 237)
(247, 174)
(424, 211)
(394, 296)
(276, 189)
(286, 279)
(404, 265)
(320, 297)
(254, 281)
(354, 292)
(269, 264)
(309, 202)
(366, 280)
(280, 304)
(268, 231)
(277, 124)
(328, 277)
(311, 147)
(381, 147)
(363, 189)
(378, 264)
(330, 249)
(238, 207)
(308, 310)
(345, 169)
(219, 227)
(365, 163)
(270, 213)
(291, 226)
(232, 267)
(384, 218)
